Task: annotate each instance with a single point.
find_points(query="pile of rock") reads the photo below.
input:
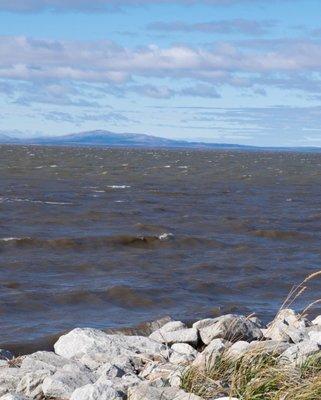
(88, 364)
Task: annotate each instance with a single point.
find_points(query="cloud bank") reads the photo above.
(236, 64)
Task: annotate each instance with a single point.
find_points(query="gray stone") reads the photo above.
(237, 350)
(208, 356)
(13, 396)
(182, 354)
(31, 384)
(271, 347)
(178, 336)
(315, 337)
(171, 326)
(6, 355)
(203, 323)
(97, 392)
(232, 328)
(299, 353)
(44, 360)
(9, 380)
(63, 383)
(148, 392)
(120, 384)
(154, 370)
(97, 345)
(287, 326)
(117, 369)
(174, 379)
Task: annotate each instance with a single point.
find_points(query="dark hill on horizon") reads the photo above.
(112, 139)
(101, 138)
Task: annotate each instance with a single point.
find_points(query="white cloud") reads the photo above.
(103, 61)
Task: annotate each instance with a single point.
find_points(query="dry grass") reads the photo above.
(259, 376)
(256, 377)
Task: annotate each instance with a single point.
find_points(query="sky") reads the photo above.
(225, 71)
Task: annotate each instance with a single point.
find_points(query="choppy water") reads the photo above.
(113, 237)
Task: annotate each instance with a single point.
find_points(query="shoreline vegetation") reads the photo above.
(228, 357)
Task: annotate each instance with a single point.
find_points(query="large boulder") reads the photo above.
(98, 346)
(232, 328)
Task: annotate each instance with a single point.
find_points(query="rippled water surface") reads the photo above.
(113, 237)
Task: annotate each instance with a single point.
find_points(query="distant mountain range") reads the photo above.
(112, 139)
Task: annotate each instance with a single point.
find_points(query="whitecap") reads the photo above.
(9, 239)
(118, 187)
(165, 236)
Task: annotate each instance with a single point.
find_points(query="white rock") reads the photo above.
(299, 353)
(96, 392)
(287, 326)
(232, 328)
(155, 370)
(182, 354)
(110, 371)
(237, 350)
(13, 396)
(120, 384)
(44, 360)
(271, 347)
(208, 356)
(203, 323)
(315, 337)
(63, 383)
(31, 383)
(178, 336)
(171, 327)
(174, 379)
(9, 380)
(119, 367)
(184, 348)
(97, 344)
(148, 392)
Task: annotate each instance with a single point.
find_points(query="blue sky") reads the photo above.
(232, 71)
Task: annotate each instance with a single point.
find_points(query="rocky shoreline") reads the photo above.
(175, 361)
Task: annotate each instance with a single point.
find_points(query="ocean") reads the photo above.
(110, 238)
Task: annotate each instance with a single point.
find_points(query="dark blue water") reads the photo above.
(113, 237)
